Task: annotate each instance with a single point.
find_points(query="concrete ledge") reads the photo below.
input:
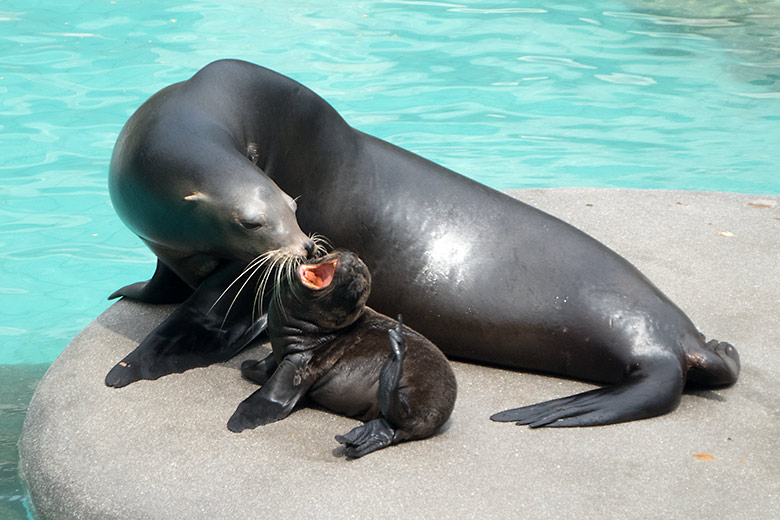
(160, 449)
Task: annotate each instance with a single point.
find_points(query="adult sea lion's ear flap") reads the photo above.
(197, 196)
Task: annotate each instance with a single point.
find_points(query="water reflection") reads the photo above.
(749, 30)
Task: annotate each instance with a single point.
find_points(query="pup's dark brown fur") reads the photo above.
(348, 358)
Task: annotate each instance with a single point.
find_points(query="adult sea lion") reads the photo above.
(176, 181)
(328, 345)
(484, 276)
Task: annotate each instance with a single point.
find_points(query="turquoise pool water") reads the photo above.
(520, 94)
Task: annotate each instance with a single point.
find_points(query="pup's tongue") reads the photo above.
(317, 276)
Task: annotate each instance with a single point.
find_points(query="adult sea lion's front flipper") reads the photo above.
(211, 326)
(164, 287)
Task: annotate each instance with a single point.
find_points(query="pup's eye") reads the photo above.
(251, 225)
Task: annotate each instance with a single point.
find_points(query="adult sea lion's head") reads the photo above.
(225, 209)
(248, 223)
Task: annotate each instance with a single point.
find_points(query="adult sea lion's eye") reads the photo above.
(251, 225)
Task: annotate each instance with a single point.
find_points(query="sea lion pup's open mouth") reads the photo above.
(317, 276)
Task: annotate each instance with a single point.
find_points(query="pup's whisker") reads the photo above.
(321, 243)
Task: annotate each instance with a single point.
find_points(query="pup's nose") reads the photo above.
(310, 248)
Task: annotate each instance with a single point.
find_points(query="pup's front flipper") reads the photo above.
(197, 334)
(366, 438)
(277, 398)
(259, 371)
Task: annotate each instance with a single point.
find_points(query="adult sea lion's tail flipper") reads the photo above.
(648, 391)
(163, 287)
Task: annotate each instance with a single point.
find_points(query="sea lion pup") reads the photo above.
(328, 345)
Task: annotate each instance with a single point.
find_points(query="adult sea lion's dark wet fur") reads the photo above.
(329, 346)
(484, 276)
(205, 212)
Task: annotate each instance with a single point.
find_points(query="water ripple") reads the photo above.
(555, 61)
(625, 79)
(498, 10)
(674, 20)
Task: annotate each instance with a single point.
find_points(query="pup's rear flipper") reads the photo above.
(390, 402)
(379, 433)
(645, 393)
(372, 436)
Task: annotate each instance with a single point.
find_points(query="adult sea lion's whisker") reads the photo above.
(259, 286)
(276, 266)
(277, 282)
(230, 307)
(294, 288)
(264, 281)
(259, 260)
(291, 273)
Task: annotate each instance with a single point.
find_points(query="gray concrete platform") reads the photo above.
(160, 449)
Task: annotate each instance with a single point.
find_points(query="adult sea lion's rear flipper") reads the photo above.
(198, 333)
(646, 392)
(164, 287)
